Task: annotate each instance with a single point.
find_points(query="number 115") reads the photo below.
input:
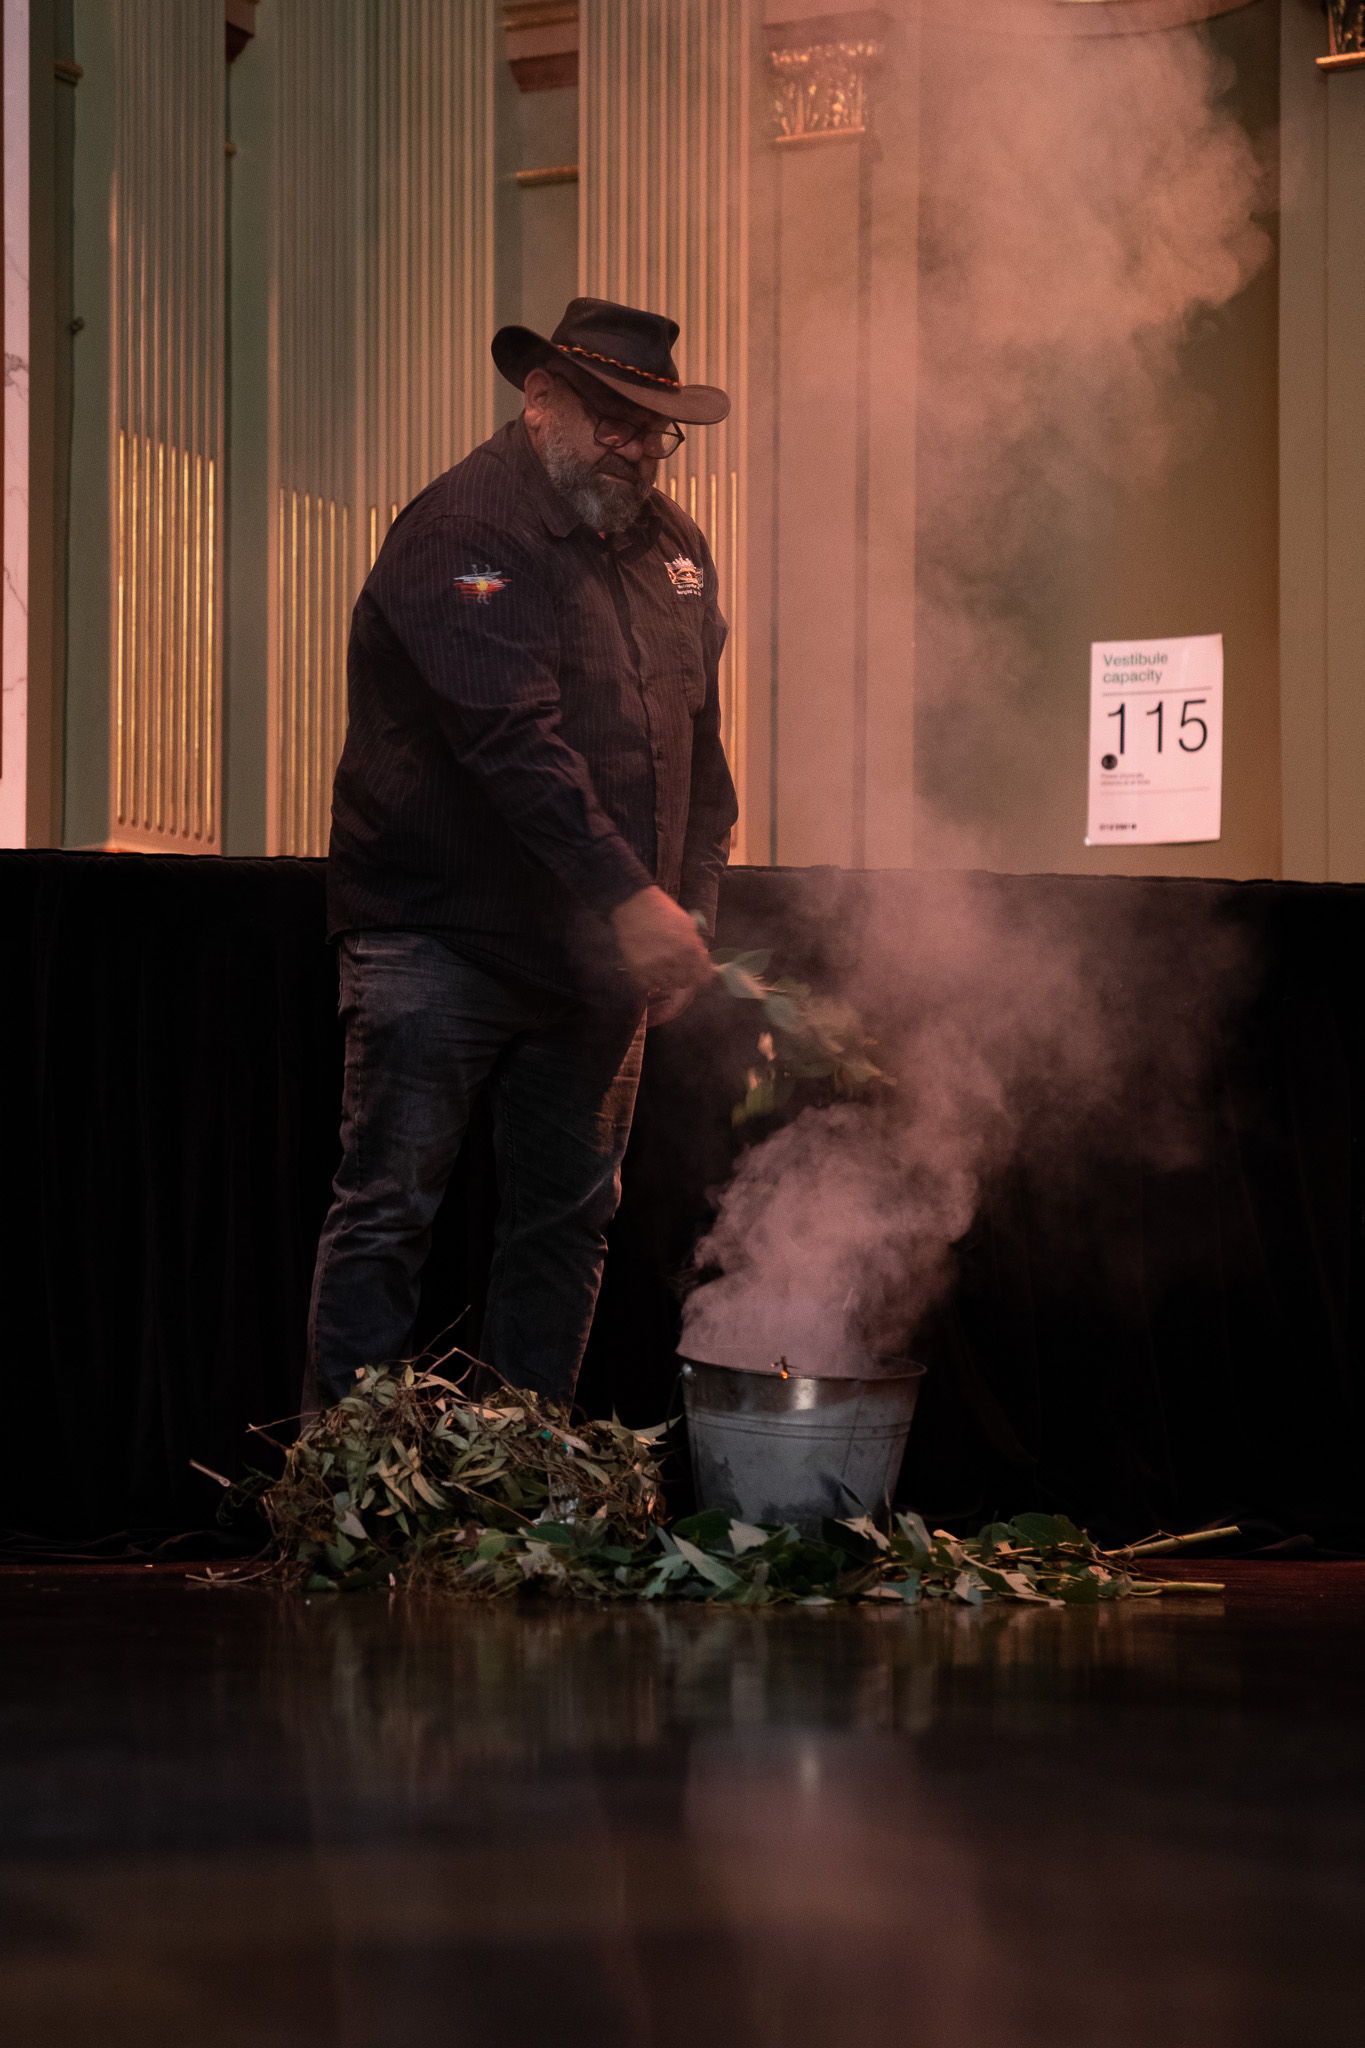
(1158, 712)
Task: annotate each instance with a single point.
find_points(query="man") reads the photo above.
(529, 821)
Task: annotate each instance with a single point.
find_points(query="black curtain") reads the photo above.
(1138, 1345)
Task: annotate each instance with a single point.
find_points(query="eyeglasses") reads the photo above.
(656, 442)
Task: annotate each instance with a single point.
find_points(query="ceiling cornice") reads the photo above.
(1073, 17)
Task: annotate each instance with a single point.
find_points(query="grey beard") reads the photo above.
(608, 504)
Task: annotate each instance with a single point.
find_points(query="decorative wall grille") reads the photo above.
(168, 306)
(664, 218)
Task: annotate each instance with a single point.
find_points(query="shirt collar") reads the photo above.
(556, 512)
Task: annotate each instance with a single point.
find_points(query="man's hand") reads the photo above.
(660, 945)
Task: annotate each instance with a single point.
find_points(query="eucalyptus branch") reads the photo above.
(808, 1037)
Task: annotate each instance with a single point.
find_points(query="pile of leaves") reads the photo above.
(414, 1481)
(808, 1037)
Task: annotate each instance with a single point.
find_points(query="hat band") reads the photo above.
(567, 348)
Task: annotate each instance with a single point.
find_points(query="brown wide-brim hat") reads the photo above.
(627, 350)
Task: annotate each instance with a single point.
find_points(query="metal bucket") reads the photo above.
(774, 1447)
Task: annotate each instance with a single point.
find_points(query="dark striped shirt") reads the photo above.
(534, 728)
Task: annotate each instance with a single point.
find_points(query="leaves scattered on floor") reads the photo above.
(411, 1481)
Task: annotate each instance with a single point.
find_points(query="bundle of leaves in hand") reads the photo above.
(411, 1480)
(809, 1038)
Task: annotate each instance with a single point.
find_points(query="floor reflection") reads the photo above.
(238, 1818)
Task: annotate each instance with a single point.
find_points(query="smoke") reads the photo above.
(1087, 201)
(1006, 1012)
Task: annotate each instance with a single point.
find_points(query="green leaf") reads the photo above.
(708, 1567)
(912, 1528)
(853, 1071)
(738, 982)
(674, 1567)
(430, 1494)
(1080, 1589)
(782, 1012)
(1046, 1532)
(350, 1524)
(744, 1536)
(1020, 1585)
(810, 1067)
(711, 1525)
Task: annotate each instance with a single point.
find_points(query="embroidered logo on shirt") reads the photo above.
(687, 577)
(481, 584)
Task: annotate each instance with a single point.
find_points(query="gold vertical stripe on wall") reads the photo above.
(427, 376)
(319, 118)
(663, 223)
(165, 647)
(315, 577)
(384, 313)
(168, 292)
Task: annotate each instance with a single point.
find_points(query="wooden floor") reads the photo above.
(236, 1820)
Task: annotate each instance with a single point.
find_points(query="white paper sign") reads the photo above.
(1156, 741)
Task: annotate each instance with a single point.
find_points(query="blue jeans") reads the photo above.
(424, 1030)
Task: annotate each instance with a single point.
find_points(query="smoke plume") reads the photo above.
(1087, 200)
(1006, 1012)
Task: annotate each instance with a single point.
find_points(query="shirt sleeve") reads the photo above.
(480, 630)
(713, 807)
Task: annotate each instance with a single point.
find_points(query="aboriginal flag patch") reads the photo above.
(479, 585)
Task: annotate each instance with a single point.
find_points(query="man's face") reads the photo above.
(607, 487)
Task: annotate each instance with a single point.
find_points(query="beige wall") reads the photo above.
(1189, 550)
(536, 228)
(808, 274)
(854, 771)
(1322, 459)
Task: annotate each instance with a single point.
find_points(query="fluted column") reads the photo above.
(835, 419)
(167, 300)
(313, 424)
(383, 298)
(664, 223)
(427, 240)
(14, 497)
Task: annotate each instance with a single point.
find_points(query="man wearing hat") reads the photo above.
(529, 821)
